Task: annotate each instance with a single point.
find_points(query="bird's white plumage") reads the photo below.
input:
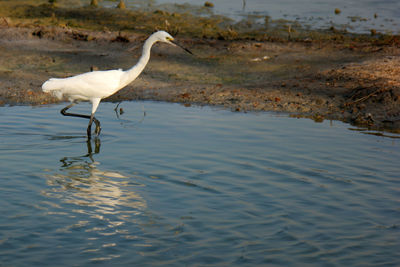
(86, 86)
(101, 84)
(96, 85)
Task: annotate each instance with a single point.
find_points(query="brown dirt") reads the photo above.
(357, 82)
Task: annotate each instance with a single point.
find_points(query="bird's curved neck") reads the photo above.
(132, 73)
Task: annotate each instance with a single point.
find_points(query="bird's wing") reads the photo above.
(86, 86)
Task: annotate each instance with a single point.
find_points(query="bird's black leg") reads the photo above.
(91, 119)
(63, 111)
(89, 128)
(98, 128)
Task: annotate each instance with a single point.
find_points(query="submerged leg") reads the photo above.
(96, 148)
(91, 119)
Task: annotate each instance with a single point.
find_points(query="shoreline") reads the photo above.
(355, 81)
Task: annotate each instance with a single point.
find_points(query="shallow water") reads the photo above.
(356, 16)
(170, 185)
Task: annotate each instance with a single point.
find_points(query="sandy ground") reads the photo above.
(357, 83)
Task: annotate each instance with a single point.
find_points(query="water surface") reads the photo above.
(355, 16)
(170, 185)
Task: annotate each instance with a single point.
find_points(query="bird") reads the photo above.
(96, 85)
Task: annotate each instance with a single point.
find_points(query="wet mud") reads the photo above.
(355, 80)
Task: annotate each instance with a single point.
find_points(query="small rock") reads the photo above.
(94, 3)
(121, 5)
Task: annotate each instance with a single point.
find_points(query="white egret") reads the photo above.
(96, 85)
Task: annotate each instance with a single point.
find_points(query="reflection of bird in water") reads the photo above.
(68, 161)
(81, 182)
(96, 85)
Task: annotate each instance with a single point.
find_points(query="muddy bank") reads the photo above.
(356, 81)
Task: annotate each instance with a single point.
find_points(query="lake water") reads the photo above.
(189, 186)
(356, 16)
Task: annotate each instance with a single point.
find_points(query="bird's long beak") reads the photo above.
(184, 48)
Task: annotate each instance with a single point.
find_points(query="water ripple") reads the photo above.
(194, 186)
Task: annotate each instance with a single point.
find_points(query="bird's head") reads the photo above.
(165, 37)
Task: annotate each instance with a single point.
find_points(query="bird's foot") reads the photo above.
(97, 130)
